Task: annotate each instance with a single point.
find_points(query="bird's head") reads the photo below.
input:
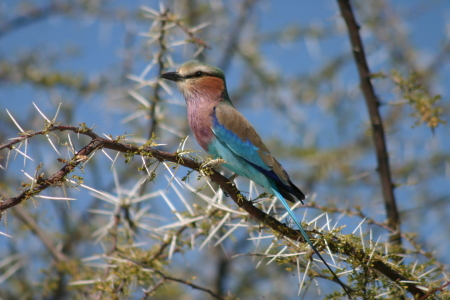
(199, 81)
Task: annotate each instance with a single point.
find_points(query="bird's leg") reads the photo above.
(233, 177)
(208, 166)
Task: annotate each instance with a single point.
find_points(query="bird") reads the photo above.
(223, 132)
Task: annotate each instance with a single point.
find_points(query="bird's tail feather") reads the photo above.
(305, 235)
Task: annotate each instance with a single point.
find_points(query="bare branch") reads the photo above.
(393, 217)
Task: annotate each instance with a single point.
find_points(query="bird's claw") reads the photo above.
(214, 163)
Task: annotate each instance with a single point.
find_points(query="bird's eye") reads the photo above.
(199, 73)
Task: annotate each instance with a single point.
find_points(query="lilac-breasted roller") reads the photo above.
(226, 134)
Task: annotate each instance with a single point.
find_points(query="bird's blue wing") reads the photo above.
(232, 129)
(241, 148)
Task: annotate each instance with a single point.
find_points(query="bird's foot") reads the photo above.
(213, 163)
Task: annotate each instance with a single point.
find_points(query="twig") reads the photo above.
(189, 32)
(433, 291)
(128, 54)
(166, 277)
(165, 244)
(235, 33)
(23, 215)
(32, 15)
(150, 290)
(393, 217)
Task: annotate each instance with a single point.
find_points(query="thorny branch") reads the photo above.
(336, 244)
(160, 61)
(384, 170)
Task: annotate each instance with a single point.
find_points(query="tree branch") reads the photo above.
(32, 15)
(393, 217)
(336, 244)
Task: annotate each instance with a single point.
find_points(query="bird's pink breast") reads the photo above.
(200, 121)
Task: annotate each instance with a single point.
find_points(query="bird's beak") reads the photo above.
(174, 76)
